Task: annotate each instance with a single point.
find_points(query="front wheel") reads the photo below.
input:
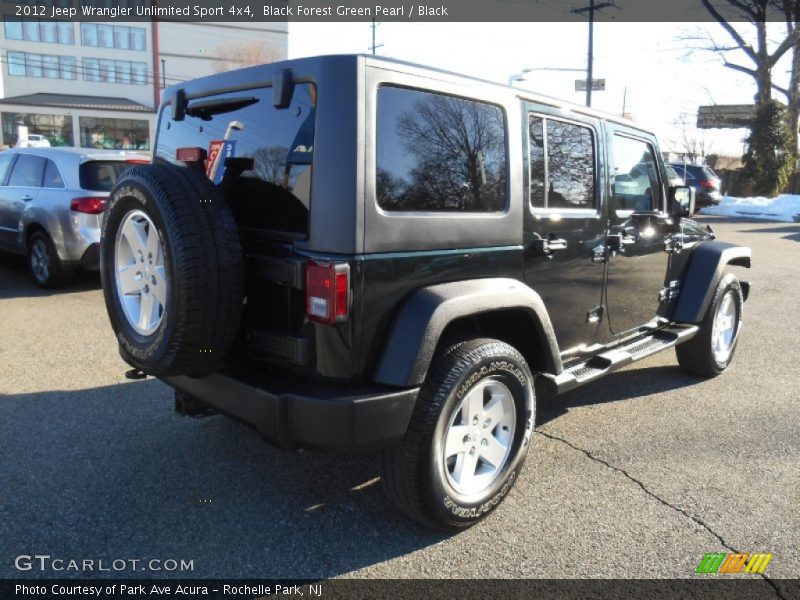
(711, 351)
(468, 436)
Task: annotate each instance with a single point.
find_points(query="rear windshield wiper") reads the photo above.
(205, 109)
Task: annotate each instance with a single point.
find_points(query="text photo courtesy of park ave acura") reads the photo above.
(464, 299)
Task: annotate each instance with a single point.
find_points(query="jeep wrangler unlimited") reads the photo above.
(350, 252)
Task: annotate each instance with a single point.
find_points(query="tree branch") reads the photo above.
(735, 67)
(783, 91)
(786, 44)
(731, 31)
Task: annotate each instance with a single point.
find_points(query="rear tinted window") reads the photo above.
(52, 177)
(101, 175)
(267, 155)
(439, 153)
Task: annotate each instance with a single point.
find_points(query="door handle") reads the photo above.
(547, 246)
(27, 198)
(618, 241)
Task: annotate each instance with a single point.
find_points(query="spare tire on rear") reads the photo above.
(172, 270)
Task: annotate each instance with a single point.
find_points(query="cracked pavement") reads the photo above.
(635, 476)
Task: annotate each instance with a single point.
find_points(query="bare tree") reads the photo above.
(688, 140)
(758, 52)
(245, 54)
(791, 11)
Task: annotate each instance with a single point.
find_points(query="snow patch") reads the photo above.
(785, 207)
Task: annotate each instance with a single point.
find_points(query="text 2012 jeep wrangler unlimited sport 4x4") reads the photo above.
(351, 252)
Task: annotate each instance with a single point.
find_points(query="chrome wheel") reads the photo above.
(479, 437)
(40, 260)
(140, 273)
(724, 331)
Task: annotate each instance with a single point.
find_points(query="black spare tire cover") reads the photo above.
(172, 270)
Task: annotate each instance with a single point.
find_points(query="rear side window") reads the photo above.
(439, 153)
(52, 178)
(27, 171)
(265, 154)
(561, 158)
(635, 172)
(101, 175)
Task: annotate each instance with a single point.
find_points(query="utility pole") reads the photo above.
(374, 46)
(163, 73)
(589, 66)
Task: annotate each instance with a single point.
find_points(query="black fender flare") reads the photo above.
(420, 322)
(702, 275)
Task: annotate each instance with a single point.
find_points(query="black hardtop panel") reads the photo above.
(337, 142)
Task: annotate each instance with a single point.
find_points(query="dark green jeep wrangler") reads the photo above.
(348, 252)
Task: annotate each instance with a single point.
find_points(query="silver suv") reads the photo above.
(51, 201)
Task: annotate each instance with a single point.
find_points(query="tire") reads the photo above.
(709, 353)
(44, 264)
(437, 490)
(189, 279)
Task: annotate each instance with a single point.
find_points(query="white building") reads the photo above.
(99, 84)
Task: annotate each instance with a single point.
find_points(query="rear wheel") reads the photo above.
(44, 263)
(711, 351)
(468, 436)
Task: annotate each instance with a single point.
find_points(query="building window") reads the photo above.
(439, 153)
(24, 64)
(16, 64)
(124, 134)
(139, 73)
(33, 65)
(68, 66)
(113, 36)
(56, 128)
(114, 71)
(53, 32)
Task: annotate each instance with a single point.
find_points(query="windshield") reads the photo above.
(101, 175)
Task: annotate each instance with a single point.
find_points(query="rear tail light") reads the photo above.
(327, 292)
(89, 205)
(709, 185)
(137, 161)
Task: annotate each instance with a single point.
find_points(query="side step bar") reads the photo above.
(613, 360)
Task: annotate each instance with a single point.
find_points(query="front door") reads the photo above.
(564, 226)
(23, 186)
(638, 228)
(8, 205)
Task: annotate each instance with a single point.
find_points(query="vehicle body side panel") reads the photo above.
(419, 325)
(703, 272)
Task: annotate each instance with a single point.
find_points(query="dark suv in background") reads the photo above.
(702, 179)
(349, 252)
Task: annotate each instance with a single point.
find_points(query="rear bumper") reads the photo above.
(292, 415)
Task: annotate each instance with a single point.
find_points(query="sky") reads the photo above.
(646, 65)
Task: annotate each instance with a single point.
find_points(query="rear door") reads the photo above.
(638, 228)
(564, 224)
(23, 186)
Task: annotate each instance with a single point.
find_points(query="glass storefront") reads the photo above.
(124, 134)
(56, 128)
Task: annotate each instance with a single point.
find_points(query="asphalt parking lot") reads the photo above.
(638, 475)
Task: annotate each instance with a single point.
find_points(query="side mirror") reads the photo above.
(681, 201)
